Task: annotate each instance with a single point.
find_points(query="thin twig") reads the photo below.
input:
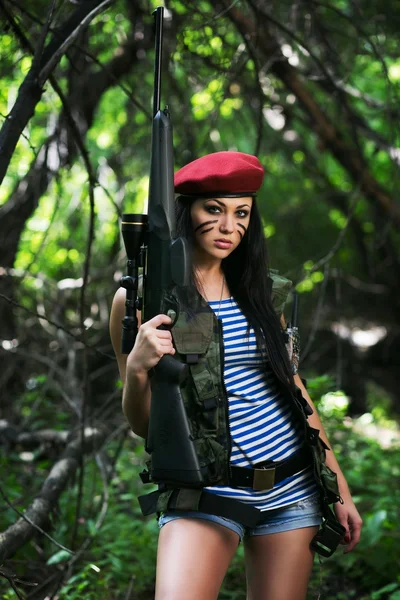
(61, 49)
(339, 341)
(42, 505)
(90, 238)
(100, 520)
(43, 34)
(34, 525)
(317, 315)
(328, 257)
(57, 325)
(8, 575)
(218, 15)
(43, 240)
(23, 135)
(11, 581)
(31, 89)
(130, 588)
(297, 39)
(92, 57)
(41, 585)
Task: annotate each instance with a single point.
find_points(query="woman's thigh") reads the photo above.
(279, 565)
(193, 557)
(278, 556)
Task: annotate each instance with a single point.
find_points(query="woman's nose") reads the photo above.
(227, 223)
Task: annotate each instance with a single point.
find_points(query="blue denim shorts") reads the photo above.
(305, 513)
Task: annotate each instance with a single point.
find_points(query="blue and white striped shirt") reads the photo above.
(260, 419)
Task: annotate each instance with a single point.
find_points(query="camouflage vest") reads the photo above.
(197, 336)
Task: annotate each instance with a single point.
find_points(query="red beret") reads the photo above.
(221, 174)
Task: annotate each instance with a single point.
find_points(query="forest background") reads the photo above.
(312, 88)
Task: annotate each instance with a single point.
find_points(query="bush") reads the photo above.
(122, 553)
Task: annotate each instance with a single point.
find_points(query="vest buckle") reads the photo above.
(263, 479)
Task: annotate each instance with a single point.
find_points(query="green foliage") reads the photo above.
(123, 549)
(223, 93)
(370, 470)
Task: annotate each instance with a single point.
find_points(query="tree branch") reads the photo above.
(31, 89)
(66, 35)
(329, 134)
(37, 514)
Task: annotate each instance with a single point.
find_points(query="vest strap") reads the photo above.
(185, 499)
(303, 402)
(145, 476)
(210, 403)
(199, 500)
(265, 475)
(192, 359)
(148, 503)
(212, 504)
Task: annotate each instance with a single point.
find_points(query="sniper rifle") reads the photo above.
(151, 245)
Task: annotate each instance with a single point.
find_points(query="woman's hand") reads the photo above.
(151, 344)
(349, 517)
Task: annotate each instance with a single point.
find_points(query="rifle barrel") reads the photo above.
(159, 19)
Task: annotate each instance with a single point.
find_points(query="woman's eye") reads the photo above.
(213, 209)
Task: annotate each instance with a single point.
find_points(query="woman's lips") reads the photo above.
(223, 244)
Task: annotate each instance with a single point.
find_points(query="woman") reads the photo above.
(258, 419)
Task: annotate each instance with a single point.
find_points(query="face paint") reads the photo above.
(244, 230)
(205, 225)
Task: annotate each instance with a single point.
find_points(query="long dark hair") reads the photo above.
(247, 274)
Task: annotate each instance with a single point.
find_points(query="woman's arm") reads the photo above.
(136, 395)
(150, 345)
(346, 513)
(315, 422)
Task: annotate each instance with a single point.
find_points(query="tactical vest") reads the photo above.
(197, 336)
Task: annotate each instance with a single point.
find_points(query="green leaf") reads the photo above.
(387, 588)
(58, 557)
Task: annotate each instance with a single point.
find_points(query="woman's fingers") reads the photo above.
(349, 517)
(161, 341)
(158, 320)
(165, 342)
(166, 350)
(355, 532)
(151, 343)
(150, 327)
(156, 338)
(163, 334)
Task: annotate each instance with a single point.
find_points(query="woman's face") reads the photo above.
(219, 224)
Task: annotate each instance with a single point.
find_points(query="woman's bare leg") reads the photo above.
(193, 557)
(279, 565)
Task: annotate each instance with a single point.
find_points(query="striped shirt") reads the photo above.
(260, 419)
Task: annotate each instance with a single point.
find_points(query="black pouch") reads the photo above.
(328, 537)
(327, 477)
(330, 484)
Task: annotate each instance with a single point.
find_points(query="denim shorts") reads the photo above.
(305, 513)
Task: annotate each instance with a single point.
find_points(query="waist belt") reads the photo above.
(199, 500)
(265, 475)
(212, 504)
